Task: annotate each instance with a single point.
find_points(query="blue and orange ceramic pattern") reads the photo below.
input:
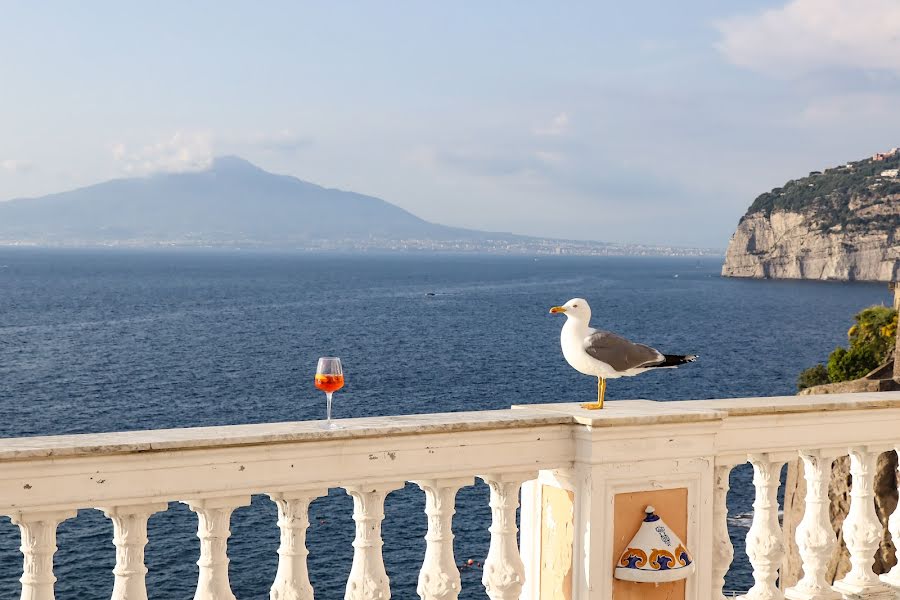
(655, 554)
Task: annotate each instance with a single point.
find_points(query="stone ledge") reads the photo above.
(99, 444)
(740, 407)
(621, 413)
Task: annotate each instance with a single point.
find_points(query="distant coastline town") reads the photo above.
(536, 246)
(516, 246)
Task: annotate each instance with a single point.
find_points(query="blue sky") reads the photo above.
(631, 122)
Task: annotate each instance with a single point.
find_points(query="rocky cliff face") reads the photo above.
(790, 245)
(843, 225)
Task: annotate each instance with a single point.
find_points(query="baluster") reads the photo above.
(214, 529)
(892, 577)
(38, 531)
(765, 546)
(368, 580)
(292, 578)
(504, 572)
(723, 550)
(862, 531)
(439, 578)
(815, 537)
(130, 538)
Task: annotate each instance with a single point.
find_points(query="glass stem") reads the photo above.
(328, 406)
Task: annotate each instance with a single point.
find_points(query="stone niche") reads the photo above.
(672, 507)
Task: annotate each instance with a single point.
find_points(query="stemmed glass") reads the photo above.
(329, 379)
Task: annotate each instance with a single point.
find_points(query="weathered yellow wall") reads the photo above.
(557, 531)
(671, 506)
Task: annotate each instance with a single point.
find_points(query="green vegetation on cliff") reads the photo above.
(870, 341)
(828, 195)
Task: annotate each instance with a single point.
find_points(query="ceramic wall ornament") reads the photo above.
(654, 554)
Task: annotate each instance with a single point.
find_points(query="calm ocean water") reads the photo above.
(118, 340)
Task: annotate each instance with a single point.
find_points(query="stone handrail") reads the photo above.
(629, 447)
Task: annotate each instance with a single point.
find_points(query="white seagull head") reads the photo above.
(576, 308)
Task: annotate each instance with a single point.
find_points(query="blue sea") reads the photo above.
(114, 340)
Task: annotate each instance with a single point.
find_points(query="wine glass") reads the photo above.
(329, 379)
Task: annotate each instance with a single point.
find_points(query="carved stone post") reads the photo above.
(815, 537)
(892, 578)
(765, 546)
(38, 531)
(368, 580)
(439, 577)
(862, 531)
(723, 550)
(504, 572)
(130, 538)
(292, 578)
(214, 529)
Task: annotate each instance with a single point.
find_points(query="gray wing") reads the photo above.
(619, 353)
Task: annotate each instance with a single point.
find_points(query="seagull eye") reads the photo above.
(574, 306)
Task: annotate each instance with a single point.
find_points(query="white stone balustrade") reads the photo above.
(723, 549)
(368, 580)
(504, 571)
(292, 576)
(130, 538)
(765, 545)
(597, 457)
(439, 578)
(38, 529)
(214, 529)
(892, 577)
(862, 531)
(814, 536)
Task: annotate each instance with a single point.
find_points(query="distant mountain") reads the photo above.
(231, 201)
(236, 204)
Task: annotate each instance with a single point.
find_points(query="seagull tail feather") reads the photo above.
(673, 360)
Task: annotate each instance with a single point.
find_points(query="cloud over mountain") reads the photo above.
(183, 151)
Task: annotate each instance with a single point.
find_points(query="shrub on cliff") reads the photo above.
(869, 342)
(813, 376)
(847, 365)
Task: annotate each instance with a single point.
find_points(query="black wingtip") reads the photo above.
(672, 360)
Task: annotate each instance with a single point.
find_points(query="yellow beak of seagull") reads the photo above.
(558, 309)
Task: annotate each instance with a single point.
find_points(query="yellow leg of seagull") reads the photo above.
(601, 393)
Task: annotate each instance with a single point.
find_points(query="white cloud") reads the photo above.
(182, 151)
(15, 166)
(559, 125)
(808, 36)
(194, 150)
(285, 141)
(853, 108)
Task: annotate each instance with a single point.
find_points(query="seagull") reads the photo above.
(606, 355)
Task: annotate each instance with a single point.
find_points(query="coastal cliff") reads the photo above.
(843, 224)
